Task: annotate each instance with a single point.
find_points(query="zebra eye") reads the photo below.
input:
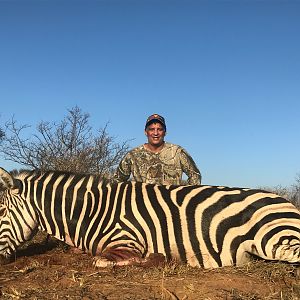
(2, 185)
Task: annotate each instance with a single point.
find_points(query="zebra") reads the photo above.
(134, 223)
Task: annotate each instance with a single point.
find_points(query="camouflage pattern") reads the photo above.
(165, 167)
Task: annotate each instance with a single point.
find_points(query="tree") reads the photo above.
(295, 191)
(1, 134)
(69, 145)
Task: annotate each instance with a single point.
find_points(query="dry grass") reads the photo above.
(53, 271)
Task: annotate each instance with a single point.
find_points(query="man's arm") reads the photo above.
(123, 171)
(189, 167)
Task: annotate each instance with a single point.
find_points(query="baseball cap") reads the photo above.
(156, 118)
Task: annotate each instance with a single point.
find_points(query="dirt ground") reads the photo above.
(54, 271)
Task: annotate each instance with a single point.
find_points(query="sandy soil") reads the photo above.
(53, 271)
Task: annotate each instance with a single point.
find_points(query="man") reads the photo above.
(157, 161)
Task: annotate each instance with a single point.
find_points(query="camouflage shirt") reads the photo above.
(164, 167)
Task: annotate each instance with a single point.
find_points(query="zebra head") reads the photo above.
(17, 223)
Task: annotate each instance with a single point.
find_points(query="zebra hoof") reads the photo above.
(101, 262)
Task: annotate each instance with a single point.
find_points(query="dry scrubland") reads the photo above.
(54, 271)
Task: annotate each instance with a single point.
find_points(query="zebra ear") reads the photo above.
(6, 180)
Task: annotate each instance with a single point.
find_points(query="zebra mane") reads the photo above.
(22, 174)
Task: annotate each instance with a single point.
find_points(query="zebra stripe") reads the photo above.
(206, 226)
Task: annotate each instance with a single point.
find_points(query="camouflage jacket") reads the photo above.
(165, 167)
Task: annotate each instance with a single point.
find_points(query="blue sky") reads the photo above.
(224, 74)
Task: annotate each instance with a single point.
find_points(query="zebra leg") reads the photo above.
(283, 249)
(287, 250)
(124, 257)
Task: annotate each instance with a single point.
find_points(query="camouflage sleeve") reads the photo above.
(124, 170)
(189, 168)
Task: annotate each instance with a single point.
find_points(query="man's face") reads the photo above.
(155, 133)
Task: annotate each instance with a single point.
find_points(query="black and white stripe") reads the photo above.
(206, 226)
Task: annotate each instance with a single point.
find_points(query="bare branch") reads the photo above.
(69, 145)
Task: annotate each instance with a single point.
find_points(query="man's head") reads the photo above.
(155, 130)
(155, 118)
